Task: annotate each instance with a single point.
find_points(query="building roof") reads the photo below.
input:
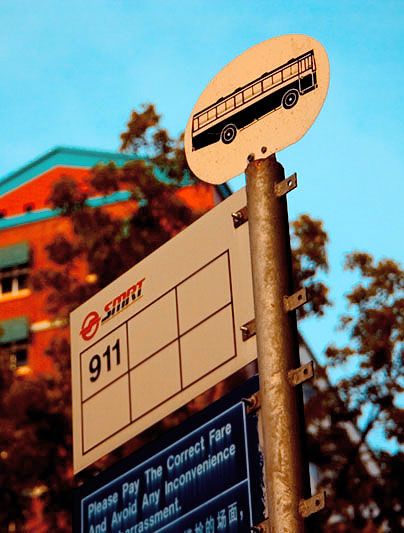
(64, 156)
(59, 156)
(69, 156)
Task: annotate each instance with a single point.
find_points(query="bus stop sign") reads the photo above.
(263, 101)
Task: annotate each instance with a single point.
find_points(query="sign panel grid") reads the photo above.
(161, 334)
(168, 353)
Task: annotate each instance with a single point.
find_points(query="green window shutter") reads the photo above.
(15, 255)
(13, 330)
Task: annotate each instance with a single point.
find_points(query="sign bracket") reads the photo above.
(296, 300)
(312, 505)
(248, 330)
(240, 217)
(286, 185)
(263, 527)
(253, 403)
(301, 374)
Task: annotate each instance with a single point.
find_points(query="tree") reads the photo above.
(108, 245)
(364, 491)
(38, 433)
(35, 444)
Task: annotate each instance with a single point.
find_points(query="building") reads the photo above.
(27, 224)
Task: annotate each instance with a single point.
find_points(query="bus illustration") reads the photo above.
(281, 87)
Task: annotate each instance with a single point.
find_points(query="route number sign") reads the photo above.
(162, 333)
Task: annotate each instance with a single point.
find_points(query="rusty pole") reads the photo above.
(287, 478)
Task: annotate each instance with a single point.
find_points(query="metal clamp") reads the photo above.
(263, 527)
(312, 505)
(240, 216)
(286, 185)
(253, 403)
(248, 330)
(296, 300)
(301, 374)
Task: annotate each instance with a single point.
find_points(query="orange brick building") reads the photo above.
(27, 225)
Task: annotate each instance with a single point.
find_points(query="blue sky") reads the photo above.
(72, 72)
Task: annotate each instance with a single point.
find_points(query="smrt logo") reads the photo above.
(90, 325)
(93, 320)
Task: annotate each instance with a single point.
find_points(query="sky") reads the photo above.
(71, 72)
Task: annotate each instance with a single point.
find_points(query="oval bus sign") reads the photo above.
(263, 101)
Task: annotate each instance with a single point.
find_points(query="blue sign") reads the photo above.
(203, 478)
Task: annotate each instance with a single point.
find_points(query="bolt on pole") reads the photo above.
(286, 473)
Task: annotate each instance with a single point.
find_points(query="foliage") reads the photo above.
(364, 492)
(35, 444)
(309, 241)
(110, 244)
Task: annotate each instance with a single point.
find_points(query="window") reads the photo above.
(239, 99)
(200, 121)
(221, 108)
(14, 342)
(268, 82)
(287, 72)
(29, 207)
(15, 354)
(211, 114)
(248, 93)
(13, 280)
(277, 77)
(230, 103)
(257, 88)
(14, 268)
(306, 63)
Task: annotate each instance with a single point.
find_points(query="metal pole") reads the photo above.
(277, 342)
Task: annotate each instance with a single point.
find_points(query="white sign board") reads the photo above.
(162, 333)
(263, 101)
